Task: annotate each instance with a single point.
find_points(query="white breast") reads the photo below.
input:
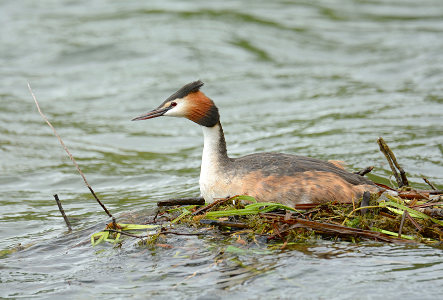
(208, 185)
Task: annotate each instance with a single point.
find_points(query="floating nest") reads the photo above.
(405, 217)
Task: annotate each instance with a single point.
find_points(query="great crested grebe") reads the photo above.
(270, 177)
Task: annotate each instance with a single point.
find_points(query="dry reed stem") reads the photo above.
(67, 151)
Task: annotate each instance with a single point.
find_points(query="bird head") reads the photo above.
(188, 102)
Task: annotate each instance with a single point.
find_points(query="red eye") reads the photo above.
(173, 103)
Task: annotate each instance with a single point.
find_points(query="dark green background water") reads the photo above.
(322, 79)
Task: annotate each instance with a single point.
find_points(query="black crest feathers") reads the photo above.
(186, 90)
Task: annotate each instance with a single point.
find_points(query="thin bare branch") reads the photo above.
(67, 151)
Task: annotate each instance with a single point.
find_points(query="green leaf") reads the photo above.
(245, 198)
(411, 211)
(184, 213)
(394, 234)
(102, 235)
(137, 226)
(107, 236)
(112, 239)
(251, 209)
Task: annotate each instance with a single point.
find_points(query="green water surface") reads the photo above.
(316, 78)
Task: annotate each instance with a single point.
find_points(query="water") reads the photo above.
(317, 79)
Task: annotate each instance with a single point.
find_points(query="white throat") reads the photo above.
(211, 144)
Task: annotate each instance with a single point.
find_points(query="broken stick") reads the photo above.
(364, 171)
(182, 201)
(390, 157)
(60, 208)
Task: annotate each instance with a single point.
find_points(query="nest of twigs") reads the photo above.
(387, 218)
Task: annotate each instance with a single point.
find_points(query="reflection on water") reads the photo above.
(316, 79)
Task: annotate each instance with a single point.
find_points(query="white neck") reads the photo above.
(213, 159)
(214, 148)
